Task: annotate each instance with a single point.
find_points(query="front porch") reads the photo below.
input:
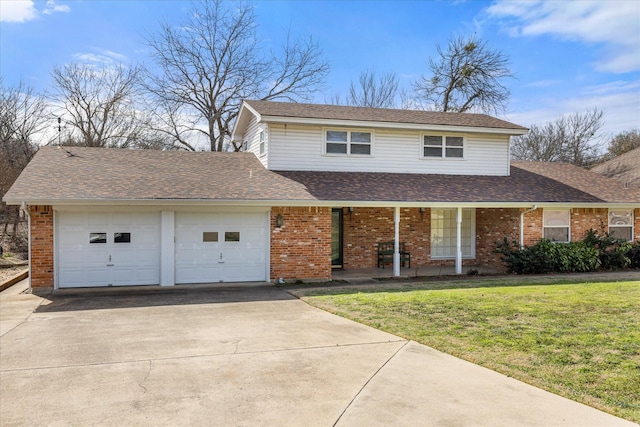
(360, 274)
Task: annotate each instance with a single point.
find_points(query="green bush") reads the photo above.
(597, 251)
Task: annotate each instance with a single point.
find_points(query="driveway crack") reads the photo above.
(141, 383)
(368, 381)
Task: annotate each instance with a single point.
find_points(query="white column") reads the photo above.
(459, 241)
(396, 238)
(167, 248)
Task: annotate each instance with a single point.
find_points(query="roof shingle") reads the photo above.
(77, 174)
(339, 112)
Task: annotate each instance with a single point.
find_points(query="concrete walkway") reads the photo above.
(241, 355)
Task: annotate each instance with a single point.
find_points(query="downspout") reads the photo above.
(522, 225)
(25, 209)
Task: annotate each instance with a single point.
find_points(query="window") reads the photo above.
(444, 233)
(348, 142)
(621, 224)
(97, 237)
(442, 146)
(209, 236)
(121, 237)
(231, 236)
(261, 142)
(556, 225)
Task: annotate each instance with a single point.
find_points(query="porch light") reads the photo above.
(422, 213)
(279, 220)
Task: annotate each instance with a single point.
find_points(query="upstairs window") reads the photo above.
(442, 146)
(348, 142)
(621, 224)
(556, 225)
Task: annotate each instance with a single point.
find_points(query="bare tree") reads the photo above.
(214, 61)
(374, 91)
(623, 142)
(23, 118)
(466, 76)
(571, 139)
(100, 102)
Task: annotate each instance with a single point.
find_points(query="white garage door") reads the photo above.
(221, 247)
(108, 249)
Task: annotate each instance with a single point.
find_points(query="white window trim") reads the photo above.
(544, 211)
(348, 153)
(262, 142)
(632, 225)
(444, 147)
(473, 238)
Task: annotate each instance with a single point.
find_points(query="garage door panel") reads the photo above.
(199, 261)
(81, 263)
(83, 277)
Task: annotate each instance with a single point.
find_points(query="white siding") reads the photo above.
(299, 147)
(252, 138)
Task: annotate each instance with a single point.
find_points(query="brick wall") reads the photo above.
(492, 226)
(365, 227)
(584, 219)
(41, 255)
(301, 248)
(636, 226)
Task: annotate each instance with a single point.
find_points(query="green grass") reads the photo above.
(579, 340)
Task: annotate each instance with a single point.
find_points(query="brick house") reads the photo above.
(315, 188)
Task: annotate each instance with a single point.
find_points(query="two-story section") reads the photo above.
(439, 188)
(288, 136)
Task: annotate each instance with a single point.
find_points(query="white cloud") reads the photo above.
(614, 25)
(100, 56)
(25, 10)
(619, 100)
(17, 11)
(52, 7)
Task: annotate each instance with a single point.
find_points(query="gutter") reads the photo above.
(24, 208)
(533, 208)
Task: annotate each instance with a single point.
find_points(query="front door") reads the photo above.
(336, 238)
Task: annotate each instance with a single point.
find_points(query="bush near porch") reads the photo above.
(578, 340)
(597, 251)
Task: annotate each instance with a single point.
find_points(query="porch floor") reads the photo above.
(407, 273)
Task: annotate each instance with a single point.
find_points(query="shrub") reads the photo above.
(611, 251)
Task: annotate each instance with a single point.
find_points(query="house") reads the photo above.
(625, 168)
(315, 188)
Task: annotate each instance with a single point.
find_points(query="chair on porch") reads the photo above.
(385, 254)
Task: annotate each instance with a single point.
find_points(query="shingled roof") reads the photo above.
(624, 168)
(86, 175)
(93, 174)
(530, 182)
(270, 109)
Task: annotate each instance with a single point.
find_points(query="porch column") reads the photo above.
(459, 241)
(396, 239)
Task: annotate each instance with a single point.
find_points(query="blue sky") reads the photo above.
(567, 56)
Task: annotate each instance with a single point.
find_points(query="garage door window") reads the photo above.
(209, 236)
(231, 236)
(97, 237)
(121, 237)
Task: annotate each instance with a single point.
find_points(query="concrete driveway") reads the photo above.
(239, 355)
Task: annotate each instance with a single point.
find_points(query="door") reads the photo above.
(108, 249)
(336, 238)
(221, 247)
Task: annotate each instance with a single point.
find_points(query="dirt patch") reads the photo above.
(8, 273)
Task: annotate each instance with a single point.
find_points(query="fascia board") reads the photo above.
(240, 121)
(391, 125)
(319, 203)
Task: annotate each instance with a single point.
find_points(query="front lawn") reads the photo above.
(579, 340)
